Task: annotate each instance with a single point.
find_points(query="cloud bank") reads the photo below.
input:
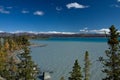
(76, 5)
(99, 31)
(48, 32)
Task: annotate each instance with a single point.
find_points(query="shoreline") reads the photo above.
(38, 45)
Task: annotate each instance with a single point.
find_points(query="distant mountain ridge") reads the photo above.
(51, 34)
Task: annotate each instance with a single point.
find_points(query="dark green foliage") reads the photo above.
(62, 78)
(23, 40)
(27, 69)
(112, 62)
(76, 72)
(10, 70)
(87, 66)
(0, 44)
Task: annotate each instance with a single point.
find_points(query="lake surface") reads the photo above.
(60, 53)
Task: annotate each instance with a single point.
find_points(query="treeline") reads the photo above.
(10, 68)
(110, 62)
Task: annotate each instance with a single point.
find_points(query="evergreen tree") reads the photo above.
(24, 40)
(112, 61)
(87, 66)
(10, 70)
(7, 64)
(27, 69)
(6, 45)
(1, 44)
(12, 45)
(76, 72)
(62, 78)
(3, 59)
(2, 62)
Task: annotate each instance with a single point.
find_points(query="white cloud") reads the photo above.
(2, 10)
(48, 32)
(57, 32)
(1, 31)
(101, 31)
(75, 5)
(39, 13)
(18, 31)
(118, 0)
(24, 11)
(21, 31)
(84, 30)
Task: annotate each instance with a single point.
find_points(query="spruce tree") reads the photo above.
(1, 44)
(76, 72)
(87, 66)
(3, 60)
(27, 68)
(6, 45)
(112, 61)
(62, 78)
(8, 67)
(10, 71)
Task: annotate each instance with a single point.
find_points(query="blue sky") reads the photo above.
(58, 15)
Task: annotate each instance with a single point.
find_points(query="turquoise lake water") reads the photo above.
(60, 53)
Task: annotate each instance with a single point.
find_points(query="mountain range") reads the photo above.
(51, 34)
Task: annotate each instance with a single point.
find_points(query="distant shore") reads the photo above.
(38, 45)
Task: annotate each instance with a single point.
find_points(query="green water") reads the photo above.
(59, 55)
